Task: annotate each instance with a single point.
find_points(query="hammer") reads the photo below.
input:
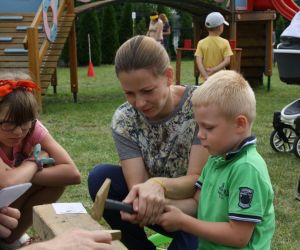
(102, 202)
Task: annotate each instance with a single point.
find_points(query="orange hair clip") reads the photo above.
(8, 86)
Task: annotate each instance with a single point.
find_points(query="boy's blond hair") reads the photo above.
(230, 92)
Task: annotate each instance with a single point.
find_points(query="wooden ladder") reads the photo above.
(23, 45)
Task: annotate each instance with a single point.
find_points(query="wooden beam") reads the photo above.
(255, 16)
(48, 224)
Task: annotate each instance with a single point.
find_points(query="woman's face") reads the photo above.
(147, 93)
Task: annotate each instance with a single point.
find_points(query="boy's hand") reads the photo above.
(171, 219)
(210, 71)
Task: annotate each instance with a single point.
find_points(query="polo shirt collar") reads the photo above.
(248, 141)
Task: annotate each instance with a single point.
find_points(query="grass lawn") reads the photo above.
(84, 130)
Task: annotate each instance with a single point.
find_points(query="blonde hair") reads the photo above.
(142, 52)
(230, 92)
(163, 17)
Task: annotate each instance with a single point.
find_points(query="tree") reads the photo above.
(88, 23)
(141, 28)
(109, 36)
(125, 24)
(186, 30)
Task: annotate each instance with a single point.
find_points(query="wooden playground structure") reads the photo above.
(24, 45)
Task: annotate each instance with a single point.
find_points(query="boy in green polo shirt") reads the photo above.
(235, 209)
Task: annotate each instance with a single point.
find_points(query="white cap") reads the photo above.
(215, 19)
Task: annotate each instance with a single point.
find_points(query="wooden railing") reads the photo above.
(31, 42)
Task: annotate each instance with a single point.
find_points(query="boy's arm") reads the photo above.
(188, 206)
(220, 66)
(232, 233)
(201, 68)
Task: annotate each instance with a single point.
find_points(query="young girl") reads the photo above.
(20, 131)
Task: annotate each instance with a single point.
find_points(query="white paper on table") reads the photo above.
(9, 194)
(69, 208)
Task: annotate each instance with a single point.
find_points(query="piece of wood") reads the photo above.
(98, 207)
(48, 224)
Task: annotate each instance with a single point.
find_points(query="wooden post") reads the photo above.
(235, 60)
(33, 61)
(73, 54)
(196, 25)
(269, 52)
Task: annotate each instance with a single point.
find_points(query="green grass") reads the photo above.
(84, 130)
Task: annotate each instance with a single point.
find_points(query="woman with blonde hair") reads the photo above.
(166, 30)
(155, 134)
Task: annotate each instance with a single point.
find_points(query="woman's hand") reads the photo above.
(148, 202)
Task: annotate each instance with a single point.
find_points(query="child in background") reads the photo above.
(155, 29)
(20, 131)
(213, 52)
(235, 209)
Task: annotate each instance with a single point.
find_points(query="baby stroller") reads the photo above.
(286, 134)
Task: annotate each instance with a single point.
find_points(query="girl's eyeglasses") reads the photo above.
(11, 126)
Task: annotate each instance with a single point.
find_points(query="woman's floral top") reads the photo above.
(164, 145)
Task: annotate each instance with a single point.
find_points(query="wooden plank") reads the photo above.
(253, 52)
(48, 224)
(255, 16)
(24, 58)
(253, 62)
(253, 71)
(47, 70)
(250, 42)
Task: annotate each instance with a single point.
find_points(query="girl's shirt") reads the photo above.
(153, 30)
(38, 134)
(164, 145)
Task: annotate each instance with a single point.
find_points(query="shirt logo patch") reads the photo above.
(246, 195)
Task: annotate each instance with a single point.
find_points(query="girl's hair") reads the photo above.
(230, 92)
(142, 52)
(22, 105)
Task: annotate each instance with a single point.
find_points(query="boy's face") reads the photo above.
(217, 133)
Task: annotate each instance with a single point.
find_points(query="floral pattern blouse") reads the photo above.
(164, 145)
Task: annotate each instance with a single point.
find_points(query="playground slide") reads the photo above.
(287, 8)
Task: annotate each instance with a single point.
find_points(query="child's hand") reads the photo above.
(171, 219)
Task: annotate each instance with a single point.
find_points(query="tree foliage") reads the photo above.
(109, 36)
(125, 23)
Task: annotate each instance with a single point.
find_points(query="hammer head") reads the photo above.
(99, 204)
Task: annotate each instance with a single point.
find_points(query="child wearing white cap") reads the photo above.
(213, 52)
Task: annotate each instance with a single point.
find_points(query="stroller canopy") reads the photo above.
(293, 30)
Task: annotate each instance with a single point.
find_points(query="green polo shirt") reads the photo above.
(238, 188)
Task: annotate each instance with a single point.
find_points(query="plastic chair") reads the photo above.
(159, 239)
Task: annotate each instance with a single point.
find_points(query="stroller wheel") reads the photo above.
(283, 142)
(297, 147)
